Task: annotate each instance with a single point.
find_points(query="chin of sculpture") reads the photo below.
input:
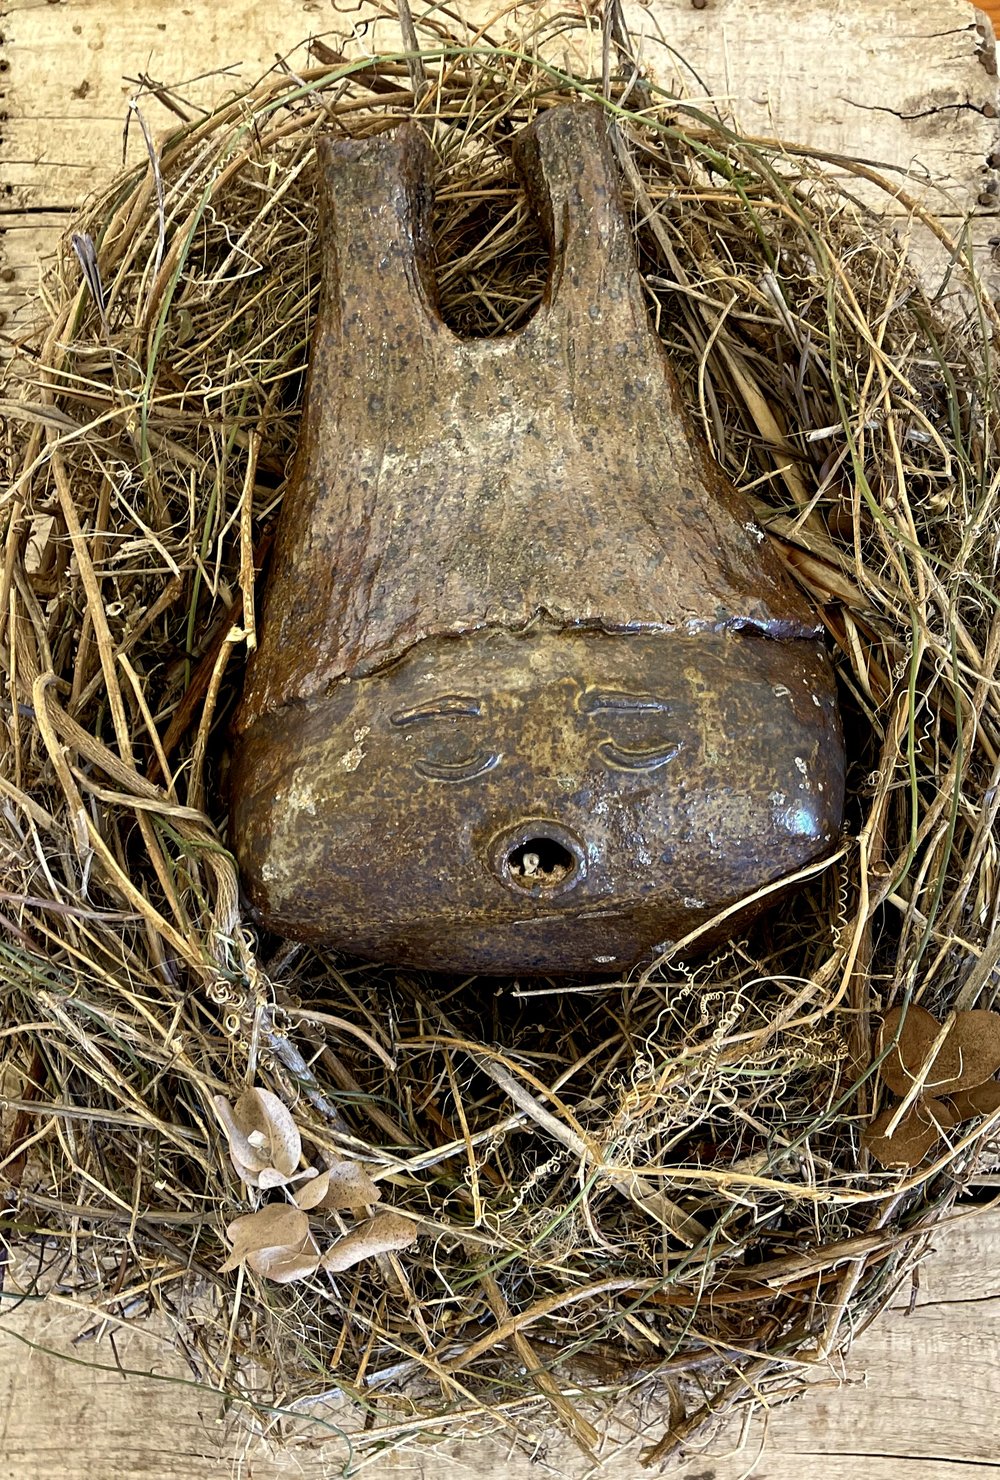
(533, 691)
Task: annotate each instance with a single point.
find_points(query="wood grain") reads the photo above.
(906, 80)
(917, 1402)
(911, 84)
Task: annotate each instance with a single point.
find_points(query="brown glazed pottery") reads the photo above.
(533, 692)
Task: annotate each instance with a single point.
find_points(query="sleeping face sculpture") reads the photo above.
(533, 691)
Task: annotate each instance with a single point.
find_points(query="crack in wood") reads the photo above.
(931, 112)
(987, 1465)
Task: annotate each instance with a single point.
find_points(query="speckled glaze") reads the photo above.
(533, 692)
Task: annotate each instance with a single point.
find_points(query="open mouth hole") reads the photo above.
(540, 861)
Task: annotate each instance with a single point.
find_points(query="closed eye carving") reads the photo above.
(637, 760)
(599, 701)
(445, 706)
(452, 755)
(626, 757)
(467, 770)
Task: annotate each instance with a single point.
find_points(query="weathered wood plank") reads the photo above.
(29, 239)
(919, 1401)
(909, 88)
(917, 91)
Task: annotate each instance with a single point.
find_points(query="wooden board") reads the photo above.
(918, 1402)
(911, 84)
(907, 83)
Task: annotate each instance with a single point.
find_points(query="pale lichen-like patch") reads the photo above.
(351, 759)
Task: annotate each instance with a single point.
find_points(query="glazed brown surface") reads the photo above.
(533, 691)
(655, 778)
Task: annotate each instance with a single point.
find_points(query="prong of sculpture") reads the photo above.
(533, 691)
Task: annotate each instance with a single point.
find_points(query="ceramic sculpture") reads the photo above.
(533, 692)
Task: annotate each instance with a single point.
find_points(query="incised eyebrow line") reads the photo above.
(624, 703)
(447, 706)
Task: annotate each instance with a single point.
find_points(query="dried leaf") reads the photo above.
(284, 1265)
(975, 1046)
(982, 1100)
(245, 1156)
(907, 1058)
(260, 1110)
(275, 1243)
(245, 1173)
(969, 1054)
(346, 1185)
(264, 1142)
(920, 1128)
(312, 1194)
(269, 1178)
(379, 1235)
(276, 1226)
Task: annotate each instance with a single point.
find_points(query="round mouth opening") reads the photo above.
(540, 861)
(538, 858)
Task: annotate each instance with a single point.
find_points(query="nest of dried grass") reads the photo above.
(638, 1203)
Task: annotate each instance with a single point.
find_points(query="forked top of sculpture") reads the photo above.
(444, 486)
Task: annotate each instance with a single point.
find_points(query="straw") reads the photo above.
(643, 1196)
